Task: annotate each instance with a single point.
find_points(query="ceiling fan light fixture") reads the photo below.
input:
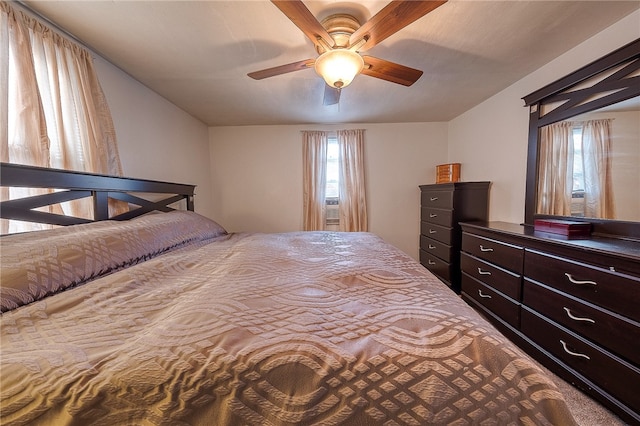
(338, 67)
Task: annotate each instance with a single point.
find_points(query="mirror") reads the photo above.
(604, 94)
(600, 188)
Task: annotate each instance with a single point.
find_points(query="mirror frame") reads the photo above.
(577, 102)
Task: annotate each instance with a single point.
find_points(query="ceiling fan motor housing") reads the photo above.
(340, 26)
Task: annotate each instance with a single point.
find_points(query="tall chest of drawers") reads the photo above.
(573, 304)
(443, 207)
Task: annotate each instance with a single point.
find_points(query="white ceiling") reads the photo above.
(197, 54)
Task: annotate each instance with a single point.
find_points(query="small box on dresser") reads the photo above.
(443, 207)
(563, 227)
(446, 173)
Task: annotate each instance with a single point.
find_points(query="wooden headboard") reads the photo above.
(70, 185)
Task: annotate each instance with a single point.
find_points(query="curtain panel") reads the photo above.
(598, 187)
(53, 111)
(314, 178)
(555, 173)
(352, 202)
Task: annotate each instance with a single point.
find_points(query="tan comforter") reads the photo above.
(257, 329)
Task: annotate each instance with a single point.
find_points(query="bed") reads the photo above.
(166, 318)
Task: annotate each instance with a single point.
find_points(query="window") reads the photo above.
(578, 167)
(332, 191)
(577, 191)
(333, 171)
(326, 193)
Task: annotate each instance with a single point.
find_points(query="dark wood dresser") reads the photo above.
(574, 304)
(443, 206)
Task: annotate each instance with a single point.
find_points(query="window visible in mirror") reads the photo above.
(577, 194)
(578, 171)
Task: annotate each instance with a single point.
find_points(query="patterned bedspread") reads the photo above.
(258, 329)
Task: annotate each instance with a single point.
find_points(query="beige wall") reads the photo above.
(156, 139)
(490, 140)
(257, 176)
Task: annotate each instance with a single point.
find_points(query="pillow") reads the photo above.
(37, 264)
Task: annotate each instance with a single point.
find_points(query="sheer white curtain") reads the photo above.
(555, 173)
(596, 149)
(79, 125)
(352, 202)
(22, 116)
(53, 111)
(314, 178)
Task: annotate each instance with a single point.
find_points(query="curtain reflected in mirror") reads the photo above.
(588, 166)
(555, 172)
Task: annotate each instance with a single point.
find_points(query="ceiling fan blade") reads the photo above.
(392, 18)
(390, 71)
(331, 95)
(282, 69)
(298, 13)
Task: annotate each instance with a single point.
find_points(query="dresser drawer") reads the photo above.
(613, 374)
(502, 254)
(502, 280)
(611, 290)
(437, 232)
(436, 265)
(437, 248)
(505, 308)
(437, 216)
(437, 199)
(618, 334)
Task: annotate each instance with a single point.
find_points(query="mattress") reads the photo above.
(169, 319)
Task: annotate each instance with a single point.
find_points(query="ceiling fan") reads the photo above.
(340, 38)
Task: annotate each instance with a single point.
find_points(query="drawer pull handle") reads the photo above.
(564, 346)
(575, 318)
(431, 247)
(579, 282)
(431, 262)
(432, 231)
(433, 215)
(481, 272)
(486, 296)
(433, 199)
(485, 249)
